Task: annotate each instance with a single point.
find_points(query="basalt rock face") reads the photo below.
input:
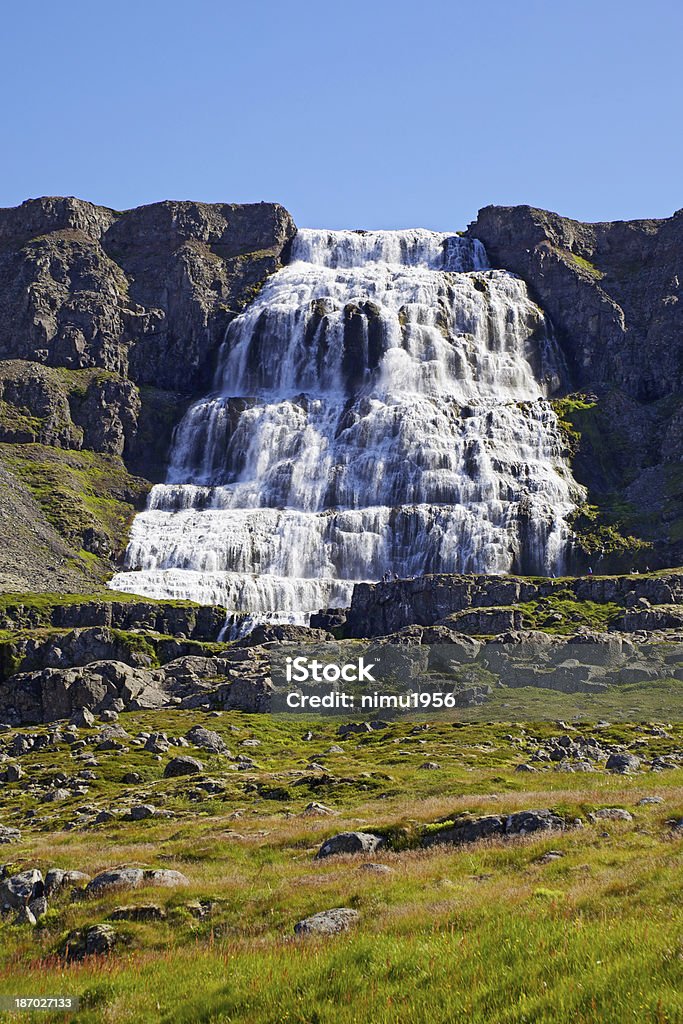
(613, 292)
(382, 608)
(109, 324)
(146, 294)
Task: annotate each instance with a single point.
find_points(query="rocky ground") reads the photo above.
(160, 864)
(617, 640)
(167, 827)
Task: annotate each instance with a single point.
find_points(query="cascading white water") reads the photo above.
(380, 407)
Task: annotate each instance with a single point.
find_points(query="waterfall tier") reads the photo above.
(380, 407)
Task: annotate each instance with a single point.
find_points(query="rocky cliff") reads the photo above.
(613, 292)
(109, 324)
(490, 605)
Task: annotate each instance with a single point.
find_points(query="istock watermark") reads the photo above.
(302, 670)
(590, 678)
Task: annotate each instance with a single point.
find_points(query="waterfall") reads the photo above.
(381, 406)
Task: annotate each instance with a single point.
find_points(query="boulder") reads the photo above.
(523, 822)
(56, 879)
(327, 922)
(100, 939)
(142, 912)
(622, 763)
(467, 830)
(82, 718)
(115, 880)
(207, 739)
(166, 878)
(20, 889)
(8, 834)
(350, 842)
(182, 765)
(612, 814)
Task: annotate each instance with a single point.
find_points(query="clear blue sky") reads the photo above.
(356, 113)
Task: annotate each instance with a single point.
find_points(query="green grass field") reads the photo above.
(489, 932)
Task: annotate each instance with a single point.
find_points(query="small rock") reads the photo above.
(622, 763)
(114, 880)
(157, 743)
(207, 739)
(354, 727)
(431, 766)
(104, 816)
(25, 916)
(132, 778)
(38, 907)
(315, 808)
(166, 877)
(650, 800)
(55, 795)
(350, 842)
(83, 718)
(100, 939)
(611, 814)
(327, 922)
(141, 811)
(182, 765)
(9, 834)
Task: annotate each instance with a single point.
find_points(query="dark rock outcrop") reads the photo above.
(109, 324)
(613, 291)
(350, 842)
(378, 609)
(146, 294)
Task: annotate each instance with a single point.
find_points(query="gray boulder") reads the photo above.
(182, 765)
(115, 880)
(141, 811)
(20, 889)
(623, 763)
(467, 830)
(207, 739)
(524, 822)
(350, 842)
(9, 834)
(165, 878)
(327, 922)
(82, 718)
(100, 939)
(25, 916)
(56, 879)
(612, 814)
(143, 912)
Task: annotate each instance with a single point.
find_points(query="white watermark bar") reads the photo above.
(545, 678)
(30, 1004)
